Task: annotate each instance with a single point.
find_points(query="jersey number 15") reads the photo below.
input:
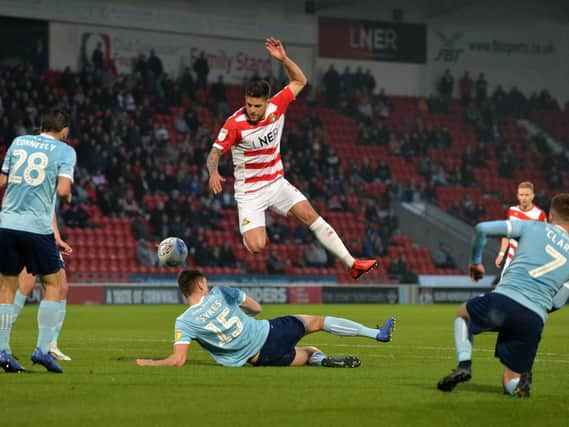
(226, 324)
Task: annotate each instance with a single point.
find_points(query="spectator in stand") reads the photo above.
(466, 85)
(372, 244)
(442, 257)
(481, 89)
(98, 59)
(369, 82)
(39, 58)
(331, 81)
(219, 96)
(469, 210)
(454, 209)
(446, 88)
(316, 256)
(187, 83)
(146, 253)
(275, 265)
(425, 168)
(139, 229)
(410, 276)
(347, 84)
(507, 163)
(480, 211)
(225, 255)
(75, 216)
(467, 175)
(180, 123)
(382, 173)
(366, 171)
(203, 256)
(472, 114)
(422, 105)
(201, 68)
(397, 267)
(155, 65)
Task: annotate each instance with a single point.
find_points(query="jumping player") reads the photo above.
(253, 134)
(518, 307)
(221, 321)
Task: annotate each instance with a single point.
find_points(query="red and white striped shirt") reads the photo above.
(256, 146)
(532, 214)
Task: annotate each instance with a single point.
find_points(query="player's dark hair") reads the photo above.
(54, 121)
(560, 207)
(258, 89)
(188, 280)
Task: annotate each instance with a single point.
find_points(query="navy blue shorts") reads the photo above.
(279, 349)
(519, 328)
(37, 252)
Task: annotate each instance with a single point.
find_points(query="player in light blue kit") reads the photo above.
(36, 169)
(518, 307)
(221, 321)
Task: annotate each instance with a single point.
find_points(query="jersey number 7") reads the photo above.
(558, 260)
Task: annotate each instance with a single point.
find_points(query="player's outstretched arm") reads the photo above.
(250, 307)
(297, 78)
(215, 179)
(177, 358)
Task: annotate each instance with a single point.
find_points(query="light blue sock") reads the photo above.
(60, 318)
(47, 321)
(347, 328)
(316, 358)
(6, 322)
(511, 386)
(462, 341)
(19, 301)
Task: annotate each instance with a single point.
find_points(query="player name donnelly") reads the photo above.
(551, 235)
(35, 144)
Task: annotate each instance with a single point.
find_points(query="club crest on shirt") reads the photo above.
(245, 222)
(272, 117)
(222, 134)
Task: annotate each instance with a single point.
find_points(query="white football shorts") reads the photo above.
(280, 196)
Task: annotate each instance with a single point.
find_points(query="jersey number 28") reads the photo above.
(34, 173)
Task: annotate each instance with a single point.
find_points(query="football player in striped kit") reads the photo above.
(253, 134)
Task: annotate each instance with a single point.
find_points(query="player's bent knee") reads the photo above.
(463, 312)
(255, 246)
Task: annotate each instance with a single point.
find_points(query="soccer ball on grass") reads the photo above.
(172, 252)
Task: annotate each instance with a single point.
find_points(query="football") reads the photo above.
(172, 252)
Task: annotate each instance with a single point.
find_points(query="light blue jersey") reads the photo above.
(540, 267)
(33, 163)
(222, 328)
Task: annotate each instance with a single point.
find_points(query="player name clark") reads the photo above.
(551, 235)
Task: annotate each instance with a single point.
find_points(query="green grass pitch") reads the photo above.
(395, 386)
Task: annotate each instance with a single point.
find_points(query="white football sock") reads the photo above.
(328, 237)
